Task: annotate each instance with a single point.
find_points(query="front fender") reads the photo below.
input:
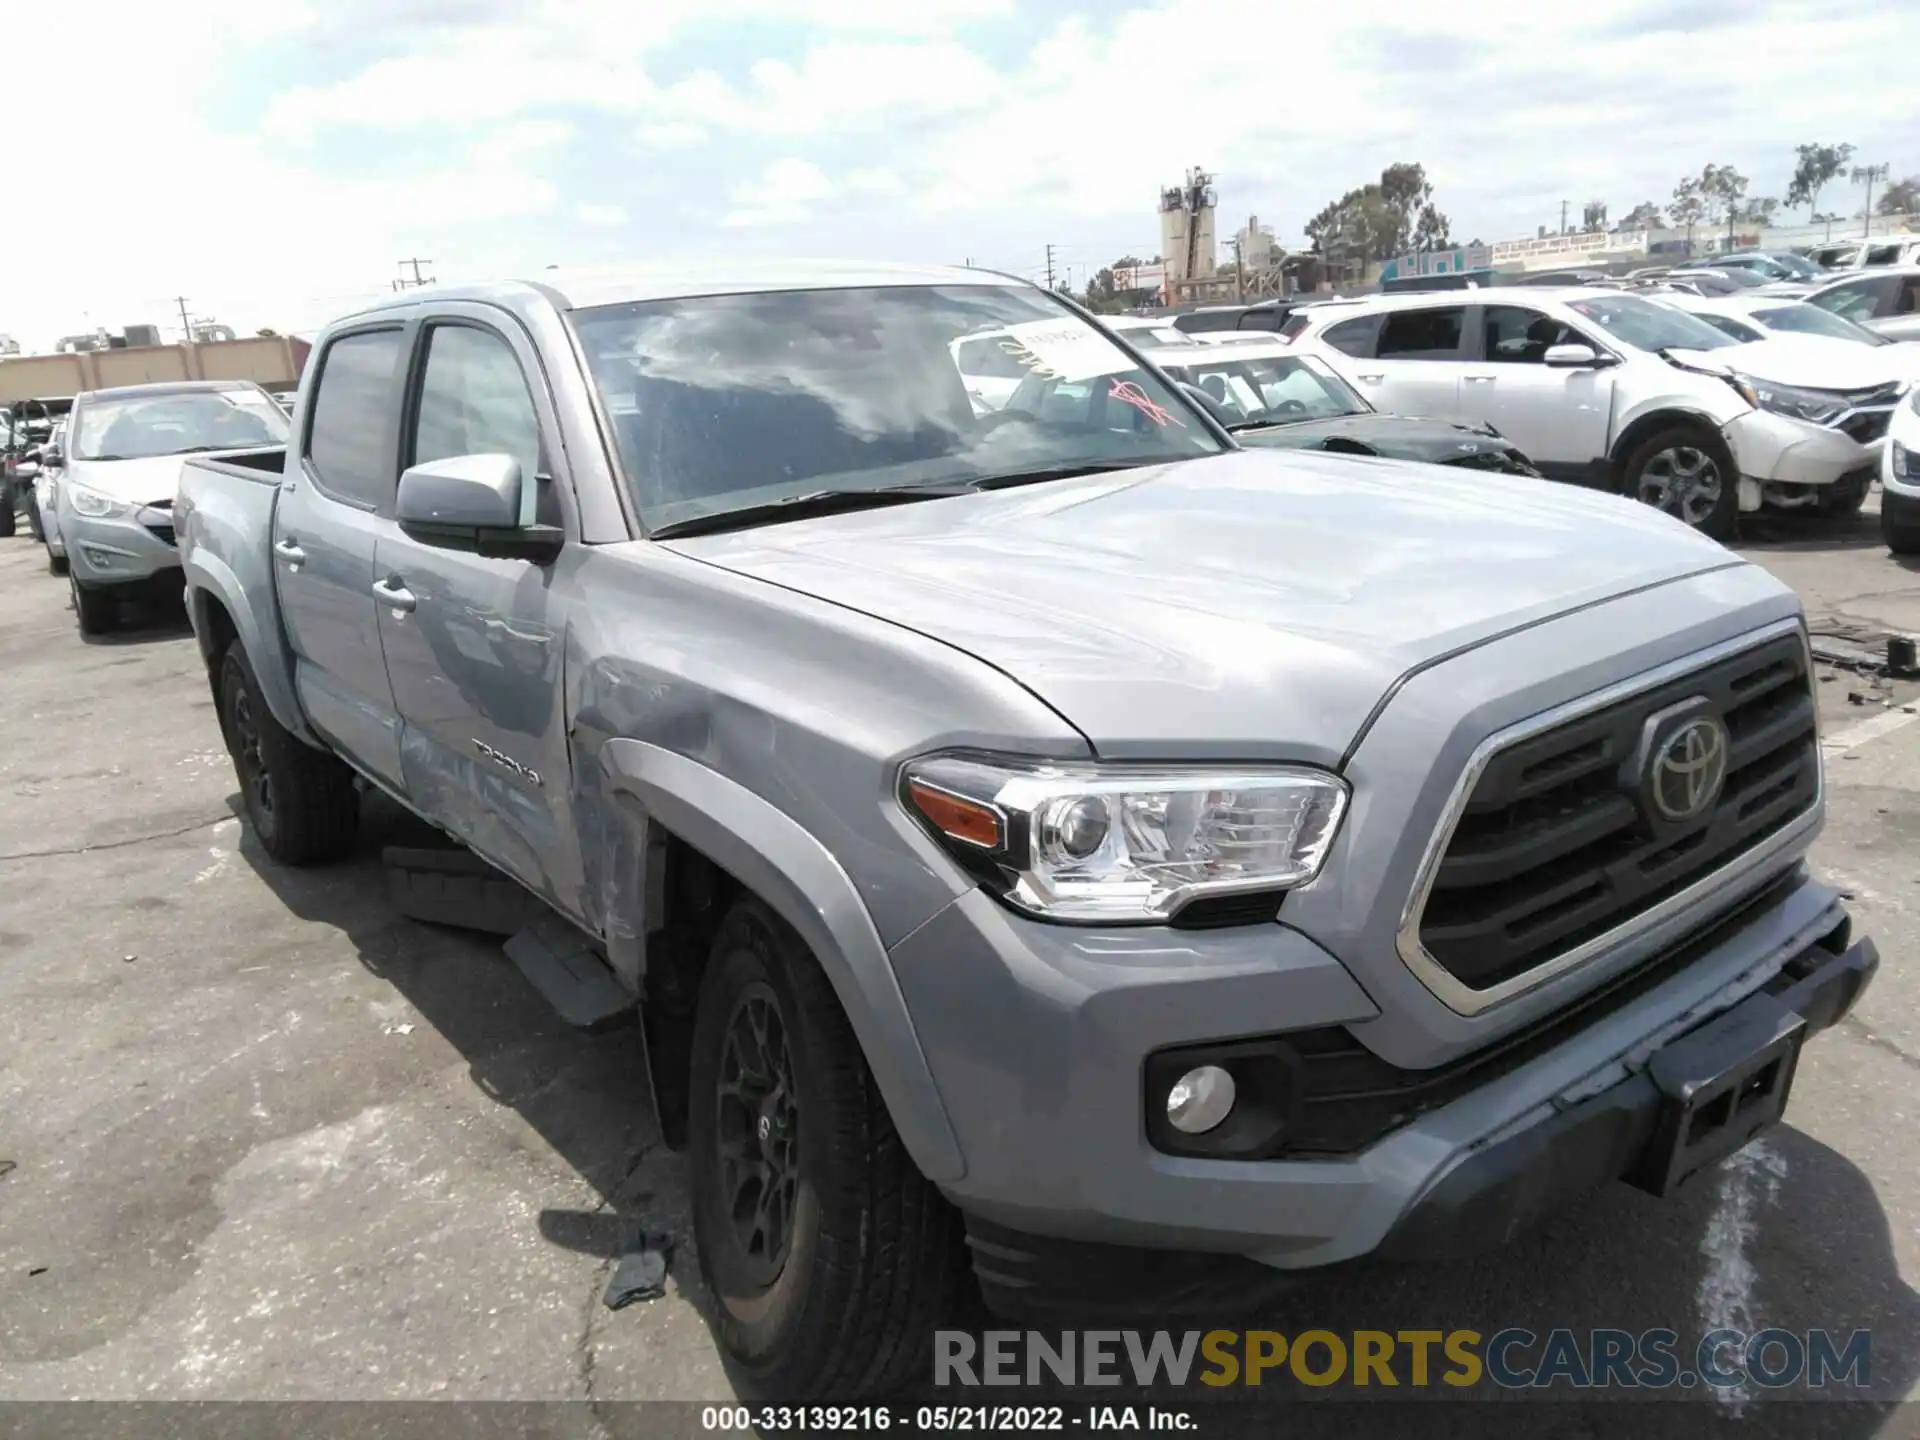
(770, 854)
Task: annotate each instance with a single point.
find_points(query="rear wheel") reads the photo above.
(1689, 474)
(9, 497)
(830, 1257)
(1900, 523)
(95, 607)
(301, 801)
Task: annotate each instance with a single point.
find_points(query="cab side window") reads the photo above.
(475, 401)
(349, 448)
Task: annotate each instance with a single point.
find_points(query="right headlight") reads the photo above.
(1118, 844)
(92, 503)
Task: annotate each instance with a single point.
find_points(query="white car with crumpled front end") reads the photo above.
(1600, 388)
(114, 481)
(1900, 479)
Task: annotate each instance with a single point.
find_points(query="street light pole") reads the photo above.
(1869, 173)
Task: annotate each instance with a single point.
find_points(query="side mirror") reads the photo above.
(1574, 357)
(51, 458)
(473, 503)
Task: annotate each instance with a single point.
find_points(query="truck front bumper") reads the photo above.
(132, 550)
(1039, 1038)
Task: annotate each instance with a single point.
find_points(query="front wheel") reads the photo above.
(1900, 523)
(95, 607)
(831, 1258)
(1845, 496)
(1689, 475)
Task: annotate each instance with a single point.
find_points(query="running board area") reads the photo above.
(567, 970)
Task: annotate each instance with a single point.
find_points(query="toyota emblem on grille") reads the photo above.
(1688, 769)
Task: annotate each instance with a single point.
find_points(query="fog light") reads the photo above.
(1200, 1100)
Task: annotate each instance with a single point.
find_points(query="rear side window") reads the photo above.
(1354, 337)
(1260, 320)
(1422, 334)
(348, 442)
(1198, 320)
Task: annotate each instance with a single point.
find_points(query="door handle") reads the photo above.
(290, 552)
(1370, 379)
(1481, 379)
(393, 594)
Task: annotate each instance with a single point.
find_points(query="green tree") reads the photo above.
(1816, 166)
(1902, 197)
(1644, 216)
(1689, 208)
(1381, 220)
(1594, 215)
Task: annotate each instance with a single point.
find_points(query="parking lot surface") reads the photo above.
(270, 1140)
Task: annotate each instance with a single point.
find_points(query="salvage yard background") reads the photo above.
(269, 1140)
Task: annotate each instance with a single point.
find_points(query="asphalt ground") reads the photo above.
(270, 1141)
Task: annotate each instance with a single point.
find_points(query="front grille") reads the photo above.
(1558, 843)
(1502, 462)
(1867, 426)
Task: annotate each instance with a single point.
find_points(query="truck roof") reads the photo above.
(582, 287)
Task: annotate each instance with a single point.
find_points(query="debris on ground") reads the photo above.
(7, 1167)
(402, 1029)
(36, 1270)
(1903, 657)
(642, 1272)
(128, 959)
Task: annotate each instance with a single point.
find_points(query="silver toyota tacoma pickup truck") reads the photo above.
(1057, 851)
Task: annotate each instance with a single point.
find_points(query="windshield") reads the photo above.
(138, 427)
(1269, 390)
(724, 402)
(1812, 320)
(1646, 325)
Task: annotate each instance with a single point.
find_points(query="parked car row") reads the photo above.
(99, 486)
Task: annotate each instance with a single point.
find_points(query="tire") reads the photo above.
(873, 1256)
(301, 802)
(31, 499)
(1900, 523)
(1674, 456)
(1845, 496)
(9, 497)
(95, 607)
(56, 564)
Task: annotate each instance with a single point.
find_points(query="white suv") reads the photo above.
(1598, 387)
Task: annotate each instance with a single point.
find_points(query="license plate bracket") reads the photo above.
(1720, 1085)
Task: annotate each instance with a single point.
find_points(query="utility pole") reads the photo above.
(186, 327)
(1869, 173)
(1239, 273)
(1050, 267)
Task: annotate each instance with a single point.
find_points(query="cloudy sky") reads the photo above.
(273, 160)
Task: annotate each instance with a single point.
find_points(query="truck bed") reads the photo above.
(223, 518)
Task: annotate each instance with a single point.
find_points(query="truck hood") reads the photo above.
(138, 482)
(1253, 604)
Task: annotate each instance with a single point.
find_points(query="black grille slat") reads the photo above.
(1556, 845)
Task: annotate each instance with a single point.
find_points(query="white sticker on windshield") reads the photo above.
(1064, 350)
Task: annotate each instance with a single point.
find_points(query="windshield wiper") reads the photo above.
(1069, 471)
(801, 507)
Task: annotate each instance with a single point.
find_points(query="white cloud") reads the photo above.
(671, 135)
(783, 194)
(601, 216)
(875, 181)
